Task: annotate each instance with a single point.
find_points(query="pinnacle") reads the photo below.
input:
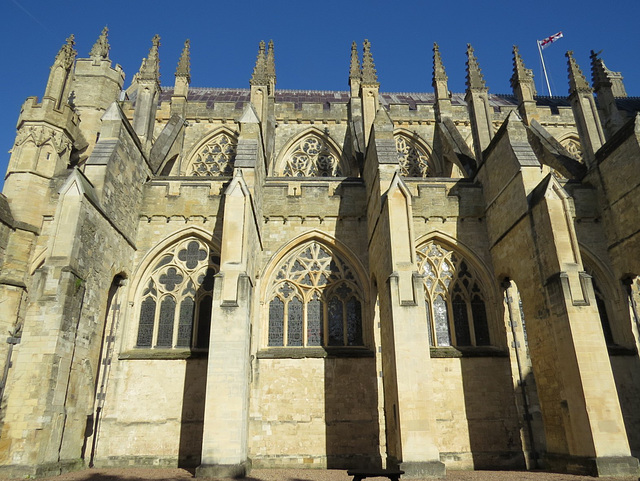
(369, 74)
(271, 62)
(67, 54)
(521, 74)
(438, 67)
(101, 48)
(260, 76)
(577, 80)
(150, 68)
(475, 79)
(354, 64)
(184, 64)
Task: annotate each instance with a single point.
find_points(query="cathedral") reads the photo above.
(226, 278)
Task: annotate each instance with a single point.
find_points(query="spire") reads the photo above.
(602, 77)
(369, 75)
(440, 86)
(523, 88)
(585, 113)
(475, 79)
(101, 48)
(66, 54)
(577, 80)
(521, 74)
(354, 65)
(271, 63)
(184, 64)
(260, 75)
(608, 85)
(58, 85)
(150, 68)
(439, 73)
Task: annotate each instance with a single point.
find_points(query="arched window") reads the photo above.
(454, 298)
(315, 300)
(215, 158)
(175, 303)
(312, 156)
(414, 161)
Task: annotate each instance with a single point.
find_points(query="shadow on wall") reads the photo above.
(351, 413)
(193, 401)
(492, 417)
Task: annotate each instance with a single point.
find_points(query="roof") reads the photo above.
(413, 99)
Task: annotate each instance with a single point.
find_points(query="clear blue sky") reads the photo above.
(312, 41)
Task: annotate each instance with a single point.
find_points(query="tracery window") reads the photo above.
(414, 161)
(215, 158)
(454, 299)
(312, 157)
(315, 300)
(175, 304)
(574, 148)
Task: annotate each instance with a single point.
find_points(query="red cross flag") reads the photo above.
(545, 42)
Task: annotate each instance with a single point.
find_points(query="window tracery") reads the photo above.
(453, 297)
(315, 300)
(573, 147)
(414, 161)
(175, 305)
(312, 157)
(215, 158)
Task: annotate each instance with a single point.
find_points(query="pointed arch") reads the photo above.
(312, 153)
(571, 142)
(414, 154)
(314, 296)
(458, 293)
(172, 292)
(213, 156)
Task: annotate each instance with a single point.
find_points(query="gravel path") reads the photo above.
(158, 474)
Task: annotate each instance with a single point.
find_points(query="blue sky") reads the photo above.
(312, 41)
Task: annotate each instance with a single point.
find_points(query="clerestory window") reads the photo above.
(453, 297)
(312, 157)
(315, 300)
(215, 158)
(175, 303)
(413, 160)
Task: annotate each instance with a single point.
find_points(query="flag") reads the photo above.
(545, 42)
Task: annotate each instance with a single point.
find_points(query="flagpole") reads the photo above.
(544, 69)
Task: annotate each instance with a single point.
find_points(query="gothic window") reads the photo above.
(315, 300)
(175, 304)
(312, 157)
(455, 303)
(412, 158)
(572, 144)
(215, 158)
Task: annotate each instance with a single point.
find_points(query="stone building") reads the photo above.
(232, 277)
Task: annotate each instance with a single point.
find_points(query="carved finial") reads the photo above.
(602, 77)
(438, 67)
(67, 53)
(521, 74)
(101, 48)
(184, 64)
(354, 64)
(369, 75)
(475, 79)
(271, 63)
(150, 68)
(260, 76)
(577, 80)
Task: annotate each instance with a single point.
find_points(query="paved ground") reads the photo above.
(157, 474)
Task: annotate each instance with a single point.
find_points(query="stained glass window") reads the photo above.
(176, 299)
(316, 293)
(454, 301)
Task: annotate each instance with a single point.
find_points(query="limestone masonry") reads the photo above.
(227, 278)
